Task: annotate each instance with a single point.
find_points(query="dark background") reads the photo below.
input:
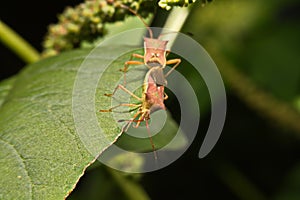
(29, 19)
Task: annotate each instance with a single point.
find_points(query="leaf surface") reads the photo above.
(43, 153)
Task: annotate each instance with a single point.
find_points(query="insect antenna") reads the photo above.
(129, 120)
(166, 33)
(136, 14)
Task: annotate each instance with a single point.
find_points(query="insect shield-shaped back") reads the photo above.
(157, 75)
(155, 52)
(155, 91)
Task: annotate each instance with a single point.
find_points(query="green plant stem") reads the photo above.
(17, 44)
(273, 109)
(237, 182)
(176, 18)
(132, 190)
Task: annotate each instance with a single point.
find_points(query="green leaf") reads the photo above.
(41, 156)
(43, 151)
(5, 87)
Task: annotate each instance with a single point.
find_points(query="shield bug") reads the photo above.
(152, 99)
(155, 52)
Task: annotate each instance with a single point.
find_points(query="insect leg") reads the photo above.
(165, 96)
(131, 62)
(122, 104)
(141, 118)
(175, 61)
(125, 90)
(126, 126)
(167, 52)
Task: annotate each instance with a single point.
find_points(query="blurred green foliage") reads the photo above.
(258, 37)
(255, 45)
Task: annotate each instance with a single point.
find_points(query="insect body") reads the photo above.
(152, 99)
(153, 96)
(155, 52)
